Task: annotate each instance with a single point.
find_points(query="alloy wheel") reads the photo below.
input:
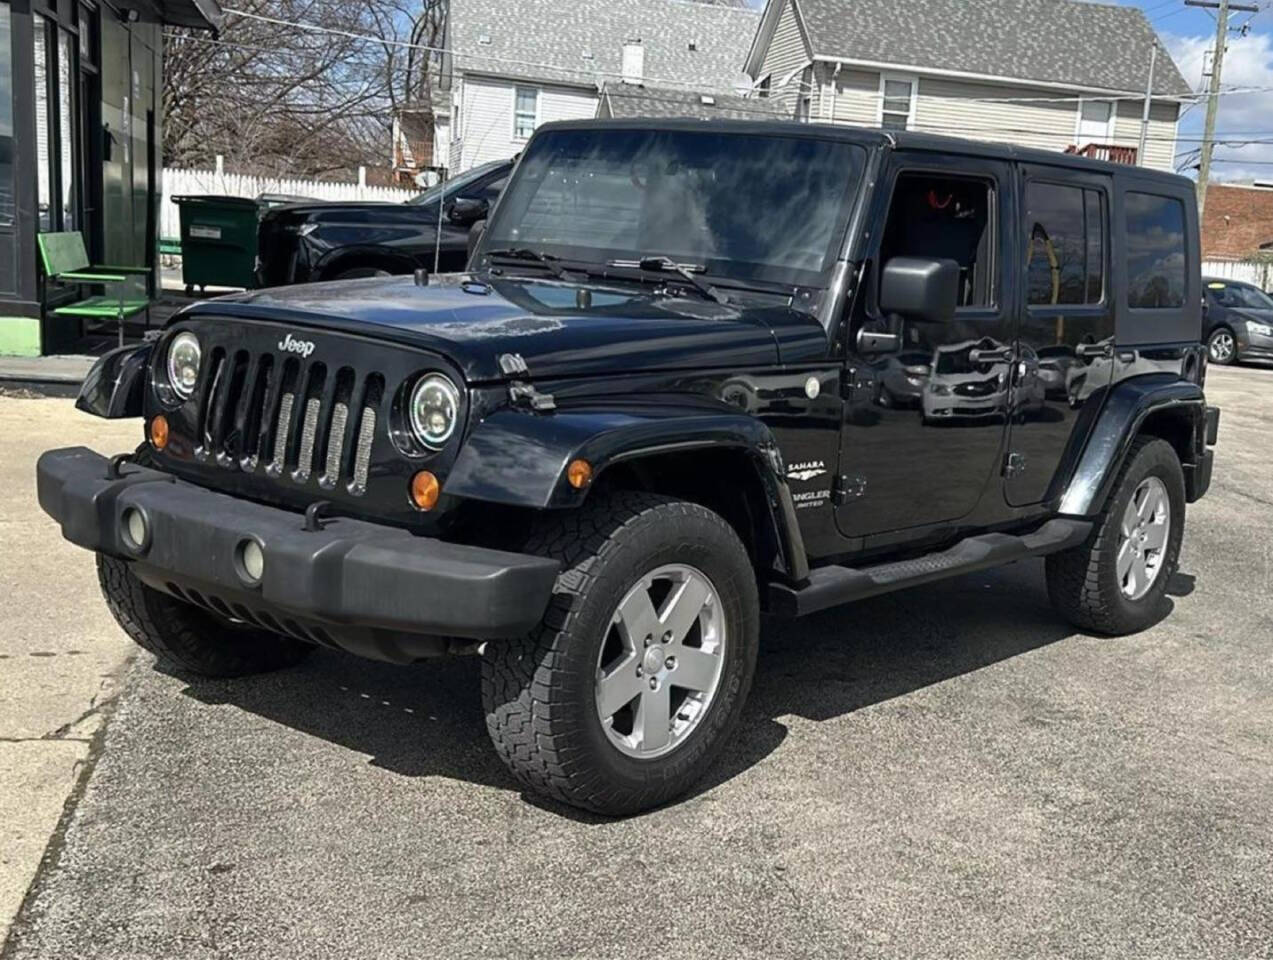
(1223, 346)
(1143, 537)
(661, 662)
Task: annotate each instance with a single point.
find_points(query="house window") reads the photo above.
(1095, 123)
(1156, 258)
(1066, 259)
(633, 62)
(897, 102)
(44, 174)
(525, 113)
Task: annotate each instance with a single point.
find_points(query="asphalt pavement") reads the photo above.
(950, 771)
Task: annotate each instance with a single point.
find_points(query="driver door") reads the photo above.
(925, 420)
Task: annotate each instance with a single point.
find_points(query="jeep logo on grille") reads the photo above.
(290, 344)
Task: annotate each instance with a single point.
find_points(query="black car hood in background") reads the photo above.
(474, 323)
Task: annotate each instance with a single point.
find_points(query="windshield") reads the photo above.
(1236, 295)
(766, 208)
(449, 188)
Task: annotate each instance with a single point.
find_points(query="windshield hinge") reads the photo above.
(526, 394)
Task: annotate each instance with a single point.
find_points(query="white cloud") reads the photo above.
(1248, 62)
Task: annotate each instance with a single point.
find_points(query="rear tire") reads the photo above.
(1088, 585)
(186, 637)
(544, 694)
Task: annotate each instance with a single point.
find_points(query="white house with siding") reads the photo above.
(514, 64)
(1055, 74)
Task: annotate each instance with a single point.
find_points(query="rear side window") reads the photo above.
(1156, 276)
(1065, 260)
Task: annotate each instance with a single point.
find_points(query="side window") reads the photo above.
(946, 218)
(490, 193)
(1156, 276)
(1065, 259)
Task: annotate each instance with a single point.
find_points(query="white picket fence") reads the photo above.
(1257, 272)
(179, 183)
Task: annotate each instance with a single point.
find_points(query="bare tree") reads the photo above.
(279, 99)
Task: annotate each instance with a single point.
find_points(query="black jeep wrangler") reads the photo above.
(697, 371)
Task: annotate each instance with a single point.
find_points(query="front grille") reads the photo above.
(982, 388)
(289, 419)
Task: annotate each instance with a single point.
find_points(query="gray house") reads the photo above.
(1055, 74)
(514, 64)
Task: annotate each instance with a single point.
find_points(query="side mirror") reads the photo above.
(920, 290)
(465, 212)
(475, 237)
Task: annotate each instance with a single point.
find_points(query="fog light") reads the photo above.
(251, 562)
(159, 432)
(133, 525)
(425, 490)
(579, 473)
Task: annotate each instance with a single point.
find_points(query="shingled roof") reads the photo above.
(580, 42)
(623, 101)
(1091, 46)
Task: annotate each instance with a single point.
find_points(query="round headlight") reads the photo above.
(435, 407)
(184, 357)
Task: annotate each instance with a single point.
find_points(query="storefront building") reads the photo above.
(80, 145)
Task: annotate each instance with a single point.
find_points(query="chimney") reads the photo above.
(633, 62)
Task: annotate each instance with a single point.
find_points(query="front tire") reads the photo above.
(637, 675)
(1222, 347)
(187, 638)
(1116, 582)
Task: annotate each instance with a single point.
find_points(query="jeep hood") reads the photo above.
(559, 329)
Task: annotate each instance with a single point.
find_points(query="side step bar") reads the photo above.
(832, 586)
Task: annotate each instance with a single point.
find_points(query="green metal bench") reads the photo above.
(65, 261)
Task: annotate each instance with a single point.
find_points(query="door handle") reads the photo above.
(997, 355)
(1093, 350)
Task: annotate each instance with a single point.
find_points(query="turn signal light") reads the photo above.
(159, 432)
(425, 490)
(579, 473)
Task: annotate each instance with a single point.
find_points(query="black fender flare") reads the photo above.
(518, 458)
(1125, 413)
(114, 387)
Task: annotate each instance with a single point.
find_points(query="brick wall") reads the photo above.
(1237, 221)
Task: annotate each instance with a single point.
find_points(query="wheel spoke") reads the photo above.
(683, 607)
(1140, 575)
(652, 726)
(1131, 518)
(1126, 554)
(1156, 536)
(1148, 504)
(617, 688)
(638, 619)
(695, 669)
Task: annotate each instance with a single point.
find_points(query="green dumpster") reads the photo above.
(218, 241)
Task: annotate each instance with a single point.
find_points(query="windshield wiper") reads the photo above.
(546, 260)
(686, 271)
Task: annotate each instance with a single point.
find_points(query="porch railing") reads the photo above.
(1109, 152)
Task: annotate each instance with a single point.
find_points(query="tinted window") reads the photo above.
(1239, 295)
(1065, 263)
(755, 207)
(1155, 251)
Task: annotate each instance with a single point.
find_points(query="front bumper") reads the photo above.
(374, 590)
(1252, 345)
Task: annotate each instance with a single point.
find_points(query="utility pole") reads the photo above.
(1149, 98)
(1222, 8)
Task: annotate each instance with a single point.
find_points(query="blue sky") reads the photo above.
(1189, 34)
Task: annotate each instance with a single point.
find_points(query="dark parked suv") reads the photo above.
(306, 242)
(1238, 319)
(666, 398)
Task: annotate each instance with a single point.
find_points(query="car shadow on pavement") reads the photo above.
(426, 720)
